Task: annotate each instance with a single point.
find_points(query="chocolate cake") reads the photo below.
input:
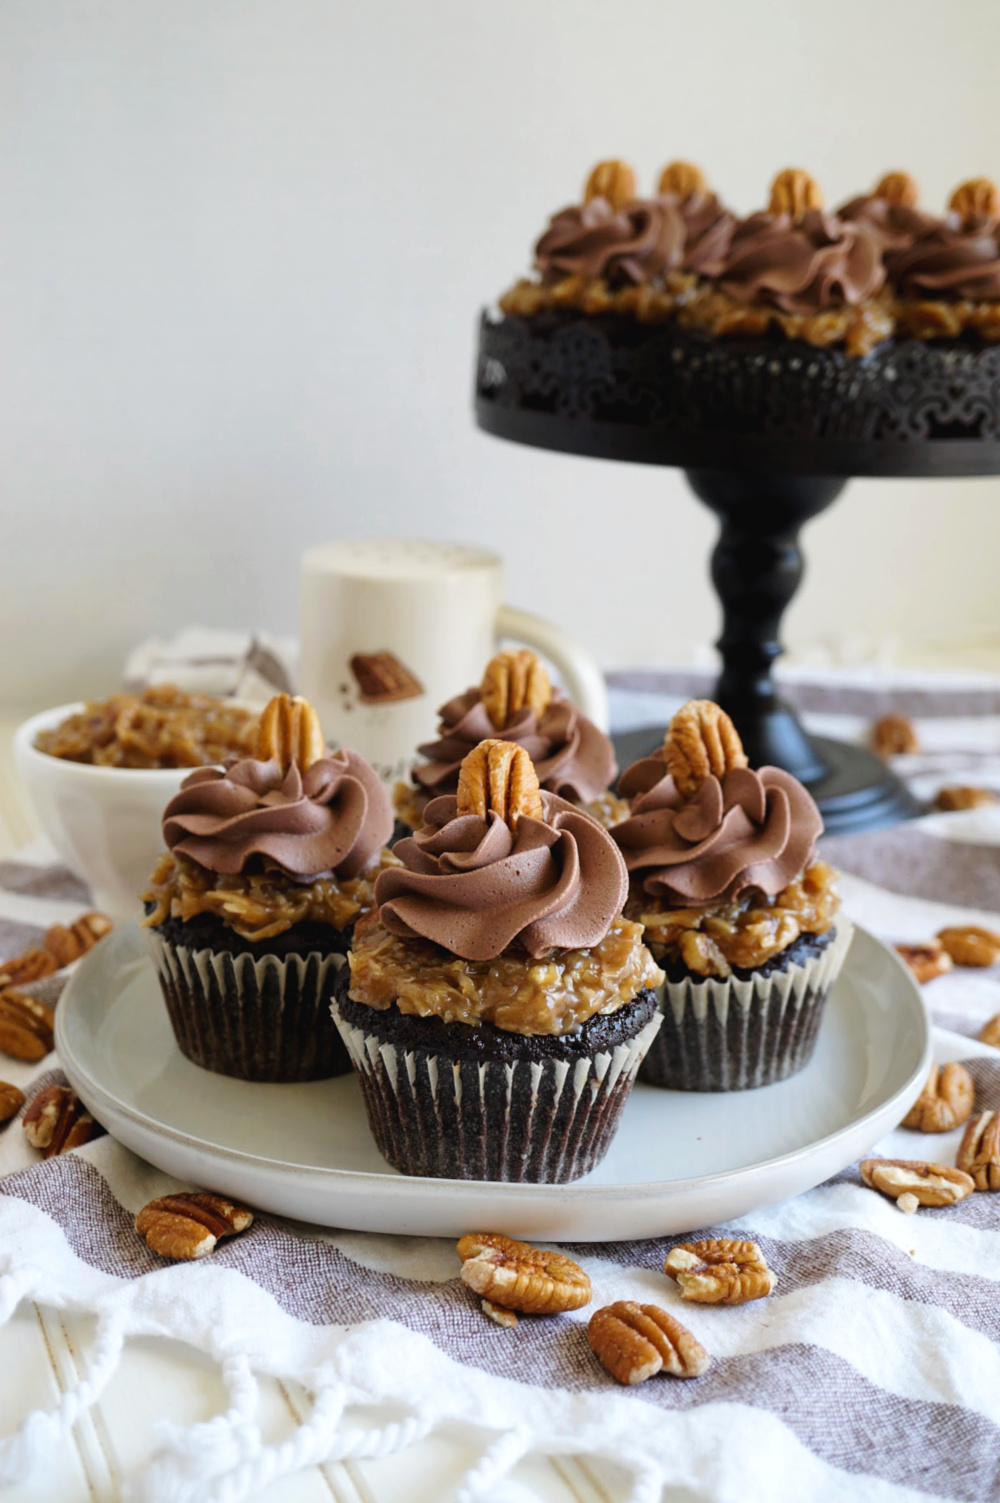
(498, 1004)
(250, 910)
(670, 329)
(737, 909)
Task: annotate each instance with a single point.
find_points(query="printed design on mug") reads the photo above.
(382, 679)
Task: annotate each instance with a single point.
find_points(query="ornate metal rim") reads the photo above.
(659, 394)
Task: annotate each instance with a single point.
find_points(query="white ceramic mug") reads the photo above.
(392, 628)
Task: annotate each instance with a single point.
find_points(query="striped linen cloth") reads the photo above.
(872, 1372)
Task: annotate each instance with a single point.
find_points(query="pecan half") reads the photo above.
(927, 960)
(945, 1102)
(893, 736)
(512, 681)
(57, 1121)
(930, 1184)
(682, 178)
(977, 198)
(517, 1276)
(499, 775)
(289, 731)
(990, 1032)
(898, 188)
(20, 970)
(612, 180)
(719, 1271)
(961, 796)
(701, 742)
(11, 1100)
(189, 1225)
(67, 944)
(794, 193)
(25, 1025)
(979, 1151)
(633, 1342)
(971, 946)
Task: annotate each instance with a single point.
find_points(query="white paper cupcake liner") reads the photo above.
(266, 1019)
(541, 1121)
(733, 1035)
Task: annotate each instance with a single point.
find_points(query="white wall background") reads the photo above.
(242, 247)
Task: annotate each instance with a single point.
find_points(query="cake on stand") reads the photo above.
(768, 432)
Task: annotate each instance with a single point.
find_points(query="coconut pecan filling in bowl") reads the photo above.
(159, 728)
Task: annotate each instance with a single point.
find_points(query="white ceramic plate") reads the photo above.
(680, 1160)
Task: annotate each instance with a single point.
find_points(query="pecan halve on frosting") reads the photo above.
(749, 829)
(571, 756)
(474, 885)
(330, 820)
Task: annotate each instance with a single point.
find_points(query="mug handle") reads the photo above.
(584, 679)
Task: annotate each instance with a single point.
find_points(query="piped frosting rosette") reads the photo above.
(890, 212)
(626, 246)
(504, 885)
(712, 844)
(327, 820)
(266, 833)
(743, 830)
(631, 241)
(475, 885)
(571, 757)
(807, 266)
(957, 257)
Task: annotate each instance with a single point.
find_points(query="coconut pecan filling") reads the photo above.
(161, 727)
(745, 933)
(697, 304)
(513, 992)
(256, 905)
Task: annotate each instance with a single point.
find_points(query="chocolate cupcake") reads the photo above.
(516, 702)
(736, 907)
(250, 912)
(497, 1004)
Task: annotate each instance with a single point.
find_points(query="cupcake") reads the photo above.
(515, 702)
(736, 907)
(496, 1003)
(249, 914)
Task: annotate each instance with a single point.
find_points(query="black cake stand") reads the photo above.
(768, 432)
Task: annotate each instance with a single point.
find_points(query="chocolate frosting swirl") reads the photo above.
(628, 245)
(329, 821)
(708, 227)
(751, 829)
(475, 886)
(953, 259)
(894, 225)
(571, 756)
(821, 262)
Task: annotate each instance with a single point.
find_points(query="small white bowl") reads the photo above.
(103, 821)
